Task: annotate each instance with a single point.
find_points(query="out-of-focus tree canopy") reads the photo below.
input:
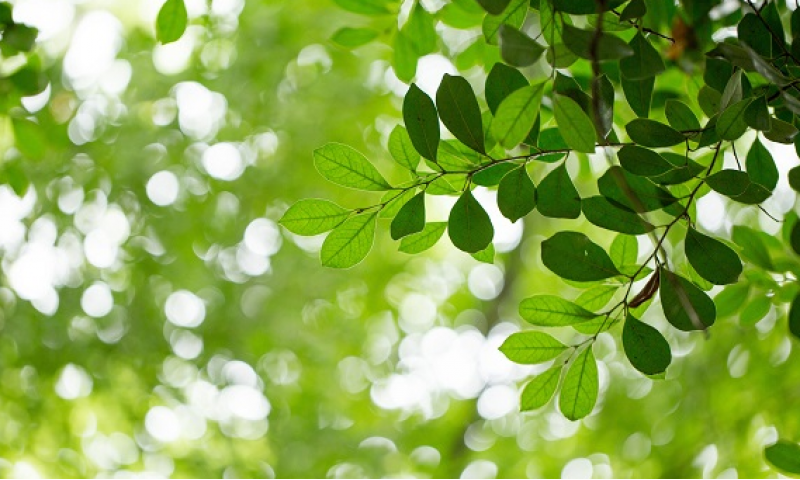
(156, 320)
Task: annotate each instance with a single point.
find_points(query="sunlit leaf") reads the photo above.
(350, 242)
(538, 392)
(347, 167)
(552, 311)
(171, 21)
(531, 347)
(313, 216)
(419, 242)
(580, 387)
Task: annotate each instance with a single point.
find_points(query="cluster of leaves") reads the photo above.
(664, 148)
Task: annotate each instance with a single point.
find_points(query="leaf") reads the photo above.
(500, 83)
(738, 186)
(393, 201)
(794, 317)
(350, 242)
(410, 219)
(313, 216)
(756, 115)
(645, 62)
(419, 242)
(574, 125)
(781, 132)
(518, 49)
(530, 348)
(680, 116)
(469, 226)
(754, 246)
(635, 9)
(761, 167)
(583, 7)
(646, 349)
(402, 150)
(514, 15)
(552, 311)
(573, 256)
(632, 191)
(784, 455)
(731, 124)
(624, 250)
(420, 30)
(609, 47)
(494, 7)
(354, 37)
(422, 122)
(650, 133)
(639, 93)
(732, 92)
(516, 115)
(365, 7)
(405, 57)
(601, 212)
(538, 392)
(685, 306)
(516, 194)
(794, 178)
(345, 166)
(557, 196)
(458, 108)
(580, 388)
(171, 21)
(755, 310)
(595, 298)
(752, 31)
(493, 175)
(642, 161)
(712, 259)
(731, 299)
(486, 255)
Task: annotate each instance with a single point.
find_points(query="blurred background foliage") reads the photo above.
(157, 322)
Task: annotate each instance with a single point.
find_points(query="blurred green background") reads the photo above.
(155, 320)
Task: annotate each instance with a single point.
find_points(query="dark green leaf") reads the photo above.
(531, 348)
(761, 166)
(712, 259)
(583, 7)
(518, 49)
(650, 133)
(781, 132)
(469, 226)
(709, 100)
(784, 455)
(492, 176)
(557, 196)
(313, 216)
(514, 15)
(756, 115)
(458, 108)
(541, 389)
(732, 92)
(609, 47)
(410, 219)
(574, 125)
(635, 9)
(645, 62)
(347, 167)
(354, 37)
(516, 115)
(422, 122)
(794, 179)
(601, 212)
(350, 242)
(752, 31)
(738, 186)
(500, 83)
(639, 93)
(642, 161)
(646, 349)
(171, 21)
(794, 317)
(494, 7)
(580, 387)
(419, 242)
(571, 255)
(516, 194)
(632, 191)
(680, 116)
(685, 306)
(731, 124)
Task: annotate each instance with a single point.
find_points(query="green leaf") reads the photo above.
(493, 175)
(596, 297)
(30, 138)
(171, 21)
(794, 239)
(781, 132)
(573, 256)
(632, 191)
(538, 392)
(794, 317)
(410, 219)
(709, 101)
(635, 9)
(712, 259)
(756, 115)
(365, 7)
(405, 57)
(518, 49)
(761, 167)
(552, 311)
(580, 387)
(354, 37)
(514, 15)
(784, 455)
(350, 242)
(645, 347)
(458, 108)
(645, 62)
(609, 47)
(516, 194)
(650, 133)
(754, 246)
(752, 31)
(402, 150)
(583, 7)
(731, 124)
(469, 226)
(419, 242)
(642, 161)
(420, 30)
(639, 93)
(685, 306)
(733, 91)
(494, 7)
(313, 216)
(530, 348)
(601, 212)
(574, 124)
(486, 255)
(347, 167)
(516, 115)
(422, 122)
(731, 299)
(680, 116)
(738, 186)
(755, 310)
(794, 179)
(557, 196)
(624, 250)
(500, 83)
